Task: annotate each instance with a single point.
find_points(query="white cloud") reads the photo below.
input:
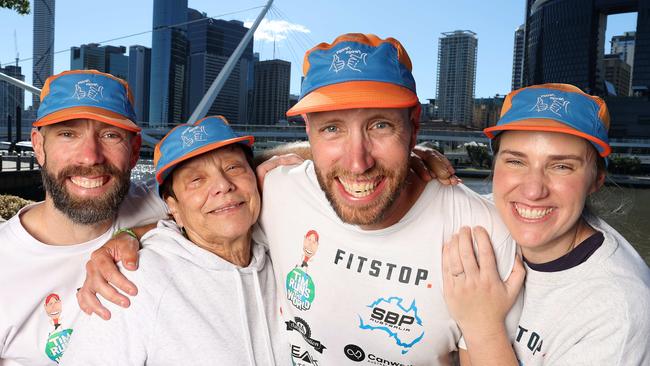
(269, 30)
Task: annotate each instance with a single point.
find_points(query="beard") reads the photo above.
(92, 210)
(371, 213)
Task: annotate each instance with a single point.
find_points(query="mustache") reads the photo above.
(374, 172)
(101, 169)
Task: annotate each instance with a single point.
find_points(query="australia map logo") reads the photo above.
(394, 319)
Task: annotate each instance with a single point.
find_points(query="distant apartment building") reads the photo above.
(271, 95)
(169, 47)
(486, 111)
(11, 96)
(140, 79)
(456, 76)
(211, 43)
(109, 59)
(518, 58)
(43, 45)
(617, 74)
(623, 45)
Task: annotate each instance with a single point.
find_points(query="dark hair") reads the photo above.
(166, 188)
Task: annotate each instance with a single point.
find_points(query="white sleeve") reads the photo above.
(122, 340)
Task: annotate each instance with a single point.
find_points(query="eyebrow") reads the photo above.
(551, 157)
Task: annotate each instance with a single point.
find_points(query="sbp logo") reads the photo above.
(354, 353)
(390, 317)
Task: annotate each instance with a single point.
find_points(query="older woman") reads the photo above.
(207, 290)
(587, 292)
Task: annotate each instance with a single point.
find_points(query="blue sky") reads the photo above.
(299, 25)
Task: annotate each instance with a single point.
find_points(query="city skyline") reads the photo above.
(303, 27)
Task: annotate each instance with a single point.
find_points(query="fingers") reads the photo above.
(274, 162)
(454, 264)
(126, 250)
(486, 259)
(436, 163)
(420, 169)
(466, 252)
(515, 281)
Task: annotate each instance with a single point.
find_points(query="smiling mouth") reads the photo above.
(88, 182)
(360, 189)
(226, 208)
(532, 213)
(55, 313)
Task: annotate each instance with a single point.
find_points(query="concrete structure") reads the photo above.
(169, 49)
(108, 59)
(271, 94)
(518, 58)
(456, 76)
(140, 79)
(211, 43)
(11, 97)
(43, 46)
(617, 72)
(565, 42)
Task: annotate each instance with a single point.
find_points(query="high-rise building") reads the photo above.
(617, 74)
(518, 58)
(11, 96)
(487, 111)
(168, 63)
(43, 46)
(623, 45)
(565, 42)
(271, 96)
(140, 79)
(211, 43)
(108, 59)
(456, 76)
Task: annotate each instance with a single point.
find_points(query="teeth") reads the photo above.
(87, 183)
(359, 189)
(529, 213)
(226, 208)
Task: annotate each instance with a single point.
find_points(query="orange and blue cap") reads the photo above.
(356, 71)
(554, 107)
(186, 141)
(86, 94)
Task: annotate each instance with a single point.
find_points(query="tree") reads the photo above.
(21, 6)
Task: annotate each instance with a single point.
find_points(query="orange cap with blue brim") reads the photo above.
(555, 107)
(356, 71)
(186, 141)
(86, 94)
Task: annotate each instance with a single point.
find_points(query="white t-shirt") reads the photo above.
(33, 272)
(596, 313)
(369, 297)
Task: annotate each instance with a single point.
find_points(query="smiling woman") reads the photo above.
(200, 271)
(587, 291)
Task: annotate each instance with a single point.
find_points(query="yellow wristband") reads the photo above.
(126, 230)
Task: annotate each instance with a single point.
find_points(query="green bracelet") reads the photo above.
(130, 232)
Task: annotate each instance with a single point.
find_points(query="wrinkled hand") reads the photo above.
(102, 275)
(430, 164)
(476, 296)
(274, 162)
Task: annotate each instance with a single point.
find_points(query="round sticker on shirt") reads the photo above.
(56, 344)
(300, 289)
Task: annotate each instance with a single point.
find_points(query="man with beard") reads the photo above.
(372, 293)
(86, 143)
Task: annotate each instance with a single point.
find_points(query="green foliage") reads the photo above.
(9, 205)
(624, 165)
(479, 155)
(21, 6)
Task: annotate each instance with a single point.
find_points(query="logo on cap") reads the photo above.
(87, 89)
(348, 58)
(552, 103)
(194, 134)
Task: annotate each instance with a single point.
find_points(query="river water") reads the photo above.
(625, 209)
